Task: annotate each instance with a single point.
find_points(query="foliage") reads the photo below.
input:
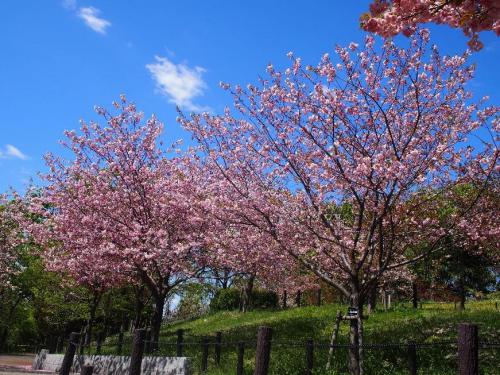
(230, 299)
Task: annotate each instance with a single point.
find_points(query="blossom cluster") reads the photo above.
(391, 17)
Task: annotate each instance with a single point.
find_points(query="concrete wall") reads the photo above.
(115, 365)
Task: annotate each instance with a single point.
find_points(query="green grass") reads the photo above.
(435, 322)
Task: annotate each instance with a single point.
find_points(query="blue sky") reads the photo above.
(60, 58)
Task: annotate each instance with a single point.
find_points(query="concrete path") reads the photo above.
(14, 364)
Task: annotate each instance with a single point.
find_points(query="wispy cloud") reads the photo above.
(178, 82)
(90, 16)
(12, 152)
(69, 4)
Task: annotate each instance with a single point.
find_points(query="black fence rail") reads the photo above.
(265, 355)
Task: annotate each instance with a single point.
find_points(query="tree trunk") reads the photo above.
(246, 295)
(3, 338)
(93, 308)
(461, 292)
(157, 320)
(139, 306)
(461, 306)
(372, 298)
(414, 294)
(354, 359)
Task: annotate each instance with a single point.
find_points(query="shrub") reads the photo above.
(264, 299)
(225, 299)
(229, 299)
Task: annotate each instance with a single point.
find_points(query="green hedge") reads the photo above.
(229, 299)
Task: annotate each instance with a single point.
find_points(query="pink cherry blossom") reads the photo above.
(391, 17)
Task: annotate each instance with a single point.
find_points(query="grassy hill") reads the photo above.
(433, 323)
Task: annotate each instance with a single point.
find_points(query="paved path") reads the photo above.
(14, 364)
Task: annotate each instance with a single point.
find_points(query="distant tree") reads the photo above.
(465, 272)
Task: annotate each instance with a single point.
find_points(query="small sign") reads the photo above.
(352, 311)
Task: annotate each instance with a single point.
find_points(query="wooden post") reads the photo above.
(87, 370)
(284, 299)
(333, 339)
(180, 341)
(204, 358)
(218, 346)
(82, 340)
(70, 353)
(412, 358)
(298, 298)
(241, 356)
(99, 343)
(147, 339)
(318, 297)
(119, 347)
(468, 349)
(59, 344)
(263, 350)
(309, 356)
(137, 352)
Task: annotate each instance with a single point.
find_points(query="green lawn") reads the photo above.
(435, 322)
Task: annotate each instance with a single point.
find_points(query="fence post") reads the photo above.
(70, 353)
(298, 298)
(263, 350)
(204, 357)
(82, 340)
(318, 297)
(309, 356)
(119, 347)
(137, 352)
(241, 356)
(412, 358)
(87, 370)
(284, 299)
(468, 348)
(59, 344)
(99, 343)
(180, 341)
(147, 347)
(218, 345)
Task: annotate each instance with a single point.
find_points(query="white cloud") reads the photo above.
(178, 82)
(90, 16)
(12, 152)
(69, 4)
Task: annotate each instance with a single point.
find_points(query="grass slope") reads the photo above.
(435, 322)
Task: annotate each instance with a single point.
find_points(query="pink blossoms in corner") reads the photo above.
(391, 17)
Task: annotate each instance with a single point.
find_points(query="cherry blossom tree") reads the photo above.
(251, 254)
(342, 164)
(9, 239)
(121, 209)
(391, 17)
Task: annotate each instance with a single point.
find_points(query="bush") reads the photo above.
(225, 299)
(264, 299)
(229, 299)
